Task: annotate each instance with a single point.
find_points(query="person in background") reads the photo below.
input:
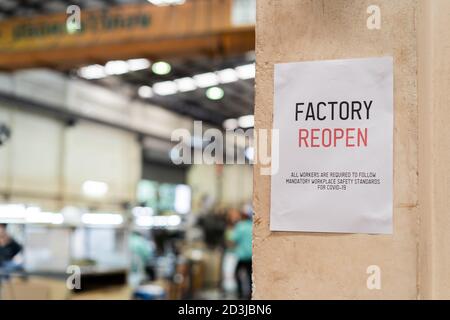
(9, 248)
(141, 253)
(241, 237)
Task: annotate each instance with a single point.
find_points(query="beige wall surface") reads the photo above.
(434, 146)
(333, 266)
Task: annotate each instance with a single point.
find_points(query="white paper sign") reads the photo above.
(335, 122)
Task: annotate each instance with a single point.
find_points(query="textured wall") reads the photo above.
(306, 265)
(434, 156)
(441, 151)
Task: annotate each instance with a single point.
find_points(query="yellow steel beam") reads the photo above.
(199, 26)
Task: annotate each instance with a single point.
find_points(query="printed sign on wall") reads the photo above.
(335, 122)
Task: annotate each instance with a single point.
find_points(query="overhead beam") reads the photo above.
(65, 114)
(121, 32)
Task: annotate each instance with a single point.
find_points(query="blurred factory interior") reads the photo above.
(88, 183)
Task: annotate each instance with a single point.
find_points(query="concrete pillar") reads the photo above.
(415, 259)
(434, 147)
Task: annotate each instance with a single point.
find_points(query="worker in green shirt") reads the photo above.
(141, 254)
(241, 237)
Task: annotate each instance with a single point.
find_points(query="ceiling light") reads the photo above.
(144, 221)
(246, 71)
(165, 88)
(161, 68)
(166, 2)
(173, 220)
(215, 93)
(20, 214)
(158, 221)
(94, 189)
(45, 217)
(116, 67)
(91, 72)
(142, 211)
(205, 80)
(12, 211)
(246, 121)
(138, 64)
(102, 219)
(145, 92)
(230, 124)
(227, 75)
(182, 199)
(186, 84)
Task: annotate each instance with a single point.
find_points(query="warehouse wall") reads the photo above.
(237, 184)
(306, 265)
(46, 162)
(49, 161)
(57, 91)
(231, 188)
